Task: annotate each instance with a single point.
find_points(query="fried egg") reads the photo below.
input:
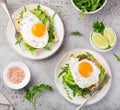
(85, 73)
(34, 32)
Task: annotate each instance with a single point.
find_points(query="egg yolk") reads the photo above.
(85, 69)
(38, 29)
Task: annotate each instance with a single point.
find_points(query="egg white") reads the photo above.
(81, 81)
(26, 24)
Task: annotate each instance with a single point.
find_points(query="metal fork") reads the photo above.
(5, 7)
(94, 93)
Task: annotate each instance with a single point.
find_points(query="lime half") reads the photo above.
(100, 41)
(110, 36)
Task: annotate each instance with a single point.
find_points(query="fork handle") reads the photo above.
(83, 104)
(87, 100)
(5, 7)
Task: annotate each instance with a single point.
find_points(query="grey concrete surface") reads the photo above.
(43, 71)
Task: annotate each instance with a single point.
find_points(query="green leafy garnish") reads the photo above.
(86, 55)
(32, 93)
(19, 39)
(98, 27)
(30, 48)
(27, 46)
(51, 30)
(117, 57)
(76, 33)
(22, 12)
(88, 5)
(47, 47)
(102, 75)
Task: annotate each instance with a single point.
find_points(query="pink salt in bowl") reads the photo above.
(16, 75)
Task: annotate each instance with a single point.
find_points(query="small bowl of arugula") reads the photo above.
(88, 6)
(102, 38)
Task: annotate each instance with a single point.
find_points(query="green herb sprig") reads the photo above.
(32, 93)
(98, 27)
(76, 33)
(117, 57)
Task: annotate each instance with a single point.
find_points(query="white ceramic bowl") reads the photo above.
(24, 82)
(101, 50)
(92, 11)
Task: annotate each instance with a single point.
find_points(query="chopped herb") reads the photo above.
(98, 27)
(117, 57)
(76, 33)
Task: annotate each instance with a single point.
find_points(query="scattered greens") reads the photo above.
(117, 57)
(76, 33)
(98, 27)
(69, 82)
(32, 93)
(88, 5)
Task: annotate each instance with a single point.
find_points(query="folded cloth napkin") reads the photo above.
(4, 103)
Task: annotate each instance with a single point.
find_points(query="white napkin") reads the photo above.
(4, 103)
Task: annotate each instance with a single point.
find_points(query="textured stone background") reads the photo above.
(43, 71)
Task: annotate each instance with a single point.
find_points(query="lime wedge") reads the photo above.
(100, 41)
(110, 36)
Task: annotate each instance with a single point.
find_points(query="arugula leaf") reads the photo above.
(64, 70)
(51, 29)
(86, 55)
(117, 57)
(30, 48)
(76, 33)
(32, 93)
(47, 47)
(22, 12)
(76, 90)
(19, 39)
(102, 75)
(98, 27)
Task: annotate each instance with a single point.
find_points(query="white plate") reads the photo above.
(24, 82)
(78, 99)
(43, 53)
